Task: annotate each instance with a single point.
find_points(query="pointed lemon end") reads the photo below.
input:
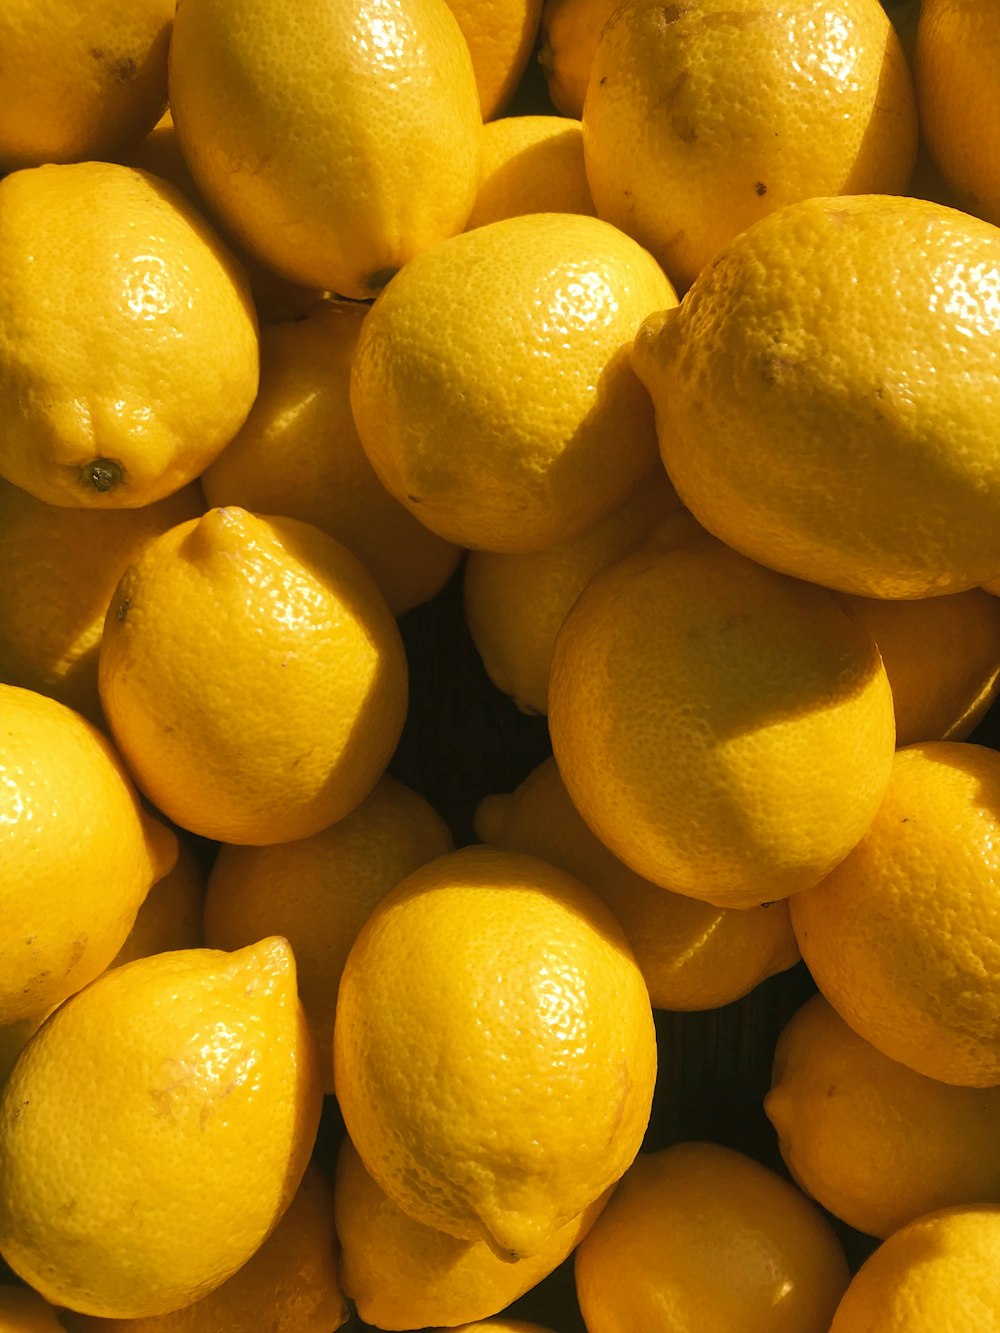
(512, 1235)
(654, 335)
(161, 845)
(490, 820)
(268, 965)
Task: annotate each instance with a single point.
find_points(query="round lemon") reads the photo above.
(128, 338)
(491, 384)
(336, 142)
(515, 603)
(958, 89)
(80, 79)
(700, 1237)
(494, 1052)
(726, 731)
(318, 892)
(824, 410)
(58, 570)
(402, 1274)
(903, 937)
(942, 657)
(937, 1275)
(79, 852)
(692, 955)
(155, 1129)
(298, 454)
(289, 1285)
(531, 164)
(700, 119)
(877, 1144)
(253, 677)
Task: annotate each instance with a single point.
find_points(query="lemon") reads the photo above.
(155, 1129)
(128, 340)
(500, 36)
(317, 892)
(338, 145)
(298, 454)
(700, 119)
(956, 61)
(902, 937)
(402, 1274)
(494, 1053)
(491, 386)
(253, 677)
(78, 80)
(820, 407)
(531, 164)
(58, 570)
(692, 955)
(937, 1275)
(699, 1237)
(942, 657)
(570, 32)
(79, 852)
(726, 731)
(877, 1144)
(515, 603)
(289, 1285)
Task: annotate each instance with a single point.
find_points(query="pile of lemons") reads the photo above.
(685, 368)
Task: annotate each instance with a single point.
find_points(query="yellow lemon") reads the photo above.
(23, 1311)
(699, 1237)
(942, 657)
(58, 570)
(692, 955)
(515, 603)
(958, 88)
(570, 32)
(491, 384)
(700, 119)
(155, 1129)
(79, 852)
(253, 677)
(128, 339)
(79, 79)
(13, 1039)
(500, 35)
(874, 1142)
(726, 731)
(317, 892)
(494, 1053)
(937, 1275)
(820, 407)
(298, 454)
(531, 164)
(903, 937)
(402, 1274)
(289, 1285)
(340, 143)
